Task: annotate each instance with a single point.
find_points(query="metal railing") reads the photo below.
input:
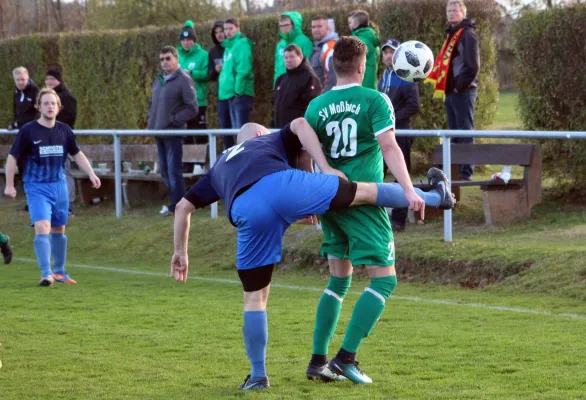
(445, 135)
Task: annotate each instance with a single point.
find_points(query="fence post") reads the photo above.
(212, 142)
(447, 160)
(118, 176)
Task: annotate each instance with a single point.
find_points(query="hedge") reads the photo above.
(110, 72)
(551, 53)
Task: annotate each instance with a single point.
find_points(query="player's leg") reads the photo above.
(256, 285)
(39, 197)
(327, 315)
(260, 232)
(371, 244)
(59, 218)
(392, 194)
(5, 248)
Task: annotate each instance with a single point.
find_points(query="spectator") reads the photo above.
(25, 96)
(236, 77)
(290, 26)
(215, 60)
(67, 115)
(359, 22)
(404, 97)
(460, 88)
(5, 248)
(323, 50)
(294, 89)
(194, 61)
(173, 103)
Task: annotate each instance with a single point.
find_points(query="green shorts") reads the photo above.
(361, 234)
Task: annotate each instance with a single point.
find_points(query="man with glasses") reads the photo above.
(173, 103)
(290, 25)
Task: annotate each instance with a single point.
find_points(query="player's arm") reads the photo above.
(308, 139)
(84, 164)
(200, 195)
(393, 156)
(10, 168)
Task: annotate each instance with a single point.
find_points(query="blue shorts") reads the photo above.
(263, 213)
(48, 201)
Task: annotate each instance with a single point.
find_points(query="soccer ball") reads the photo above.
(413, 61)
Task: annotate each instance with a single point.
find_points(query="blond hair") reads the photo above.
(19, 70)
(460, 3)
(45, 91)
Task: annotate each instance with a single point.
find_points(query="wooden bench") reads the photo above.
(134, 154)
(104, 154)
(502, 202)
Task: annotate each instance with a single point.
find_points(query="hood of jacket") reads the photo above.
(297, 21)
(329, 36)
(214, 40)
(368, 33)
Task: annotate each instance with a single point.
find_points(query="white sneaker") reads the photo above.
(164, 210)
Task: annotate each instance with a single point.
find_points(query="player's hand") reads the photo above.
(179, 267)
(416, 203)
(333, 171)
(219, 67)
(96, 183)
(10, 191)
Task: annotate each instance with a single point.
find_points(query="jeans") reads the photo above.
(170, 151)
(240, 109)
(399, 215)
(460, 111)
(225, 122)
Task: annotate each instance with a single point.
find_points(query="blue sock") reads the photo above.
(392, 195)
(256, 336)
(43, 252)
(59, 249)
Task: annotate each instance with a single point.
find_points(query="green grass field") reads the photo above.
(506, 116)
(126, 331)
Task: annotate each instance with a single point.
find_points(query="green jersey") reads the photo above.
(347, 120)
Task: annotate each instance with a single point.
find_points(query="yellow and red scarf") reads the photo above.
(439, 73)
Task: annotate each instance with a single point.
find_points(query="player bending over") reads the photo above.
(263, 195)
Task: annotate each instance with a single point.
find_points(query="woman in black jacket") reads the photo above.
(295, 89)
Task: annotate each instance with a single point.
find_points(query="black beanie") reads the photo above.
(188, 31)
(55, 73)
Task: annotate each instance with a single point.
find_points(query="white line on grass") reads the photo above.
(315, 289)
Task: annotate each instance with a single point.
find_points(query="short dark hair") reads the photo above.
(361, 16)
(169, 49)
(294, 48)
(320, 18)
(348, 53)
(233, 21)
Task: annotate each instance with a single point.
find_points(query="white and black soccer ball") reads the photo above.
(413, 61)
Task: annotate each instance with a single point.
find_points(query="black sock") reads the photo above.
(319, 359)
(346, 357)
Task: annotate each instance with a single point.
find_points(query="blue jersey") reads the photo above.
(241, 166)
(41, 152)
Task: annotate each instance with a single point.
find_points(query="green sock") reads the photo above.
(328, 312)
(3, 238)
(367, 311)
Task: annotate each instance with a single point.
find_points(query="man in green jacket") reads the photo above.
(359, 22)
(290, 25)
(193, 60)
(236, 81)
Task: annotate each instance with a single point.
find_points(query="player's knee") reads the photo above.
(58, 229)
(42, 227)
(383, 287)
(338, 286)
